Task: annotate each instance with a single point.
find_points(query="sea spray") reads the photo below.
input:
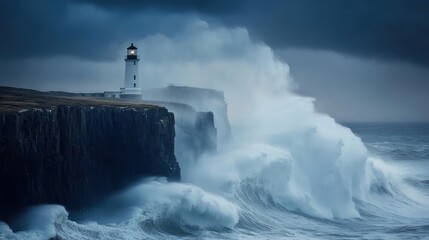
(303, 158)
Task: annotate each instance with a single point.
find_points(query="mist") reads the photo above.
(352, 89)
(303, 159)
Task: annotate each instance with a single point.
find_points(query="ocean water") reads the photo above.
(257, 206)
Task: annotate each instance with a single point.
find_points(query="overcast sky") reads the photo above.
(363, 60)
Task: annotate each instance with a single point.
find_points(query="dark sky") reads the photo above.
(363, 60)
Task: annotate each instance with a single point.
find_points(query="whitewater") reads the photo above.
(288, 172)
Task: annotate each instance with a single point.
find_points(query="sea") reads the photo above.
(396, 206)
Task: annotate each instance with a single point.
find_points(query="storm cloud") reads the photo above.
(383, 29)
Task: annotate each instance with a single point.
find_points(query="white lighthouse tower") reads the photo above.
(131, 87)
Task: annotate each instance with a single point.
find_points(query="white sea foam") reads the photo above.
(184, 203)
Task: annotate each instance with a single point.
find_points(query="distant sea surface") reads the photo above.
(395, 141)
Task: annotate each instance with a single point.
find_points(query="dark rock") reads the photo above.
(76, 154)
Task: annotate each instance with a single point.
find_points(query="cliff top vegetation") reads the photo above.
(16, 99)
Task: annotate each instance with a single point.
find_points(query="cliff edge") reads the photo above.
(74, 151)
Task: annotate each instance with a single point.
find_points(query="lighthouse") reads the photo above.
(131, 87)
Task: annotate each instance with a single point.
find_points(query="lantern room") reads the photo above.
(132, 52)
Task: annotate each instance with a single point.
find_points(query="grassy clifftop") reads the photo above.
(16, 99)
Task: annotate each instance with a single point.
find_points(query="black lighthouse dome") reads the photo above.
(132, 47)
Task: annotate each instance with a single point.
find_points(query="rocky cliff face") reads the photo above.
(78, 151)
(205, 100)
(196, 133)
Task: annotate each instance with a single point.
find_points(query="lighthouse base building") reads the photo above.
(131, 88)
(130, 93)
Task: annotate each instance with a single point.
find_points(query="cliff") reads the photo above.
(196, 133)
(204, 100)
(75, 151)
